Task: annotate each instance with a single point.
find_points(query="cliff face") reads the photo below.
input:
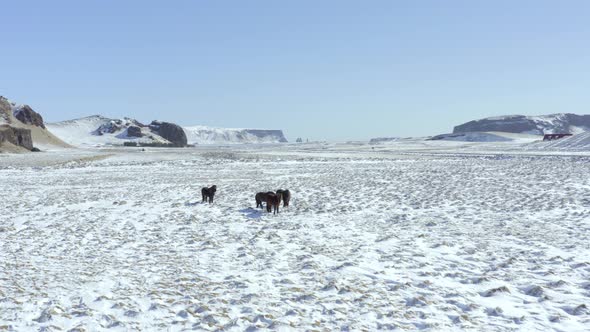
(16, 136)
(262, 133)
(210, 135)
(26, 115)
(538, 125)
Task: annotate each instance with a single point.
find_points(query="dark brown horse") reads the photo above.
(272, 202)
(285, 195)
(271, 199)
(208, 193)
(262, 197)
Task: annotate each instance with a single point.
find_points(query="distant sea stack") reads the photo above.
(535, 125)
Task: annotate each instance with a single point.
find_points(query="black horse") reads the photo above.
(208, 193)
(285, 195)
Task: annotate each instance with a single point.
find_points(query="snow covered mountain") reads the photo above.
(209, 135)
(535, 125)
(98, 130)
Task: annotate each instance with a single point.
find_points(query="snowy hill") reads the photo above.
(98, 130)
(209, 135)
(536, 125)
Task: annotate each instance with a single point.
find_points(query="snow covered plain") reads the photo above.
(434, 235)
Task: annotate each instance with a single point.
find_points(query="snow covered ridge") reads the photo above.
(209, 135)
(536, 125)
(98, 130)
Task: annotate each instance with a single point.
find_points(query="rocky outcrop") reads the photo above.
(23, 117)
(26, 115)
(171, 132)
(545, 124)
(111, 126)
(134, 131)
(16, 136)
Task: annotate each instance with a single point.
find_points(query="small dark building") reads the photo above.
(550, 137)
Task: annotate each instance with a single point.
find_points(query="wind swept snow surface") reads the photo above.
(370, 242)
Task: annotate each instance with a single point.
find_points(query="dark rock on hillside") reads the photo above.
(110, 127)
(134, 131)
(26, 115)
(171, 132)
(545, 124)
(16, 136)
(117, 125)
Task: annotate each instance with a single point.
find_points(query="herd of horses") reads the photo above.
(272, 199)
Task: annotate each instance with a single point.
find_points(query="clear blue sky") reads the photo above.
(333, 70)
